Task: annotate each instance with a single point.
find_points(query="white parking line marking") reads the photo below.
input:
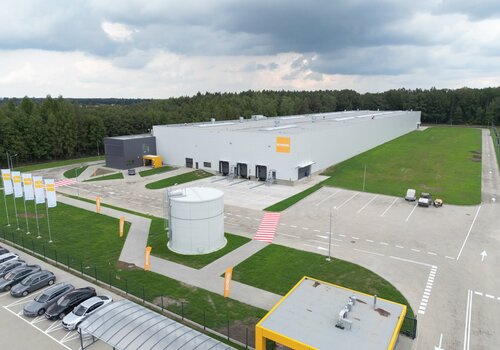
(342, 235)
(305, 228)
(415, 250)
(368, 252)
(468, 233)
(367, 204)
(282, 224)
(431, 253)
(321, 236)
(355, 237)
(468, 316)
(293, 226)
(325, 199)
(399, 246)
(449, 257)
(489, 296)
(478, 293)
(348, 200)
(317, 231)
(369, 240)
(384, 243)
(408, 217)
(389, 207)
(284, 234)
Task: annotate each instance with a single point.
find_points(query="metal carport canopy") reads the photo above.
(127, 325)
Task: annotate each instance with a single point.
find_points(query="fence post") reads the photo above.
(109, 279)
(182, 310)
(414, 328)
(204, 320)
(22, 241)
(162, 303)
(228, 328)
(43, 246)
(68, 261)
(95, 273)
(81, 267)
(55, 253)
(32, 246)
(126, 287)
(143, 295)
(246, 339)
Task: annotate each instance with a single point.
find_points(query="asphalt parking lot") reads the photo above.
(19, 332)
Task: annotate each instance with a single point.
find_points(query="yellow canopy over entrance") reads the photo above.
(156, 161)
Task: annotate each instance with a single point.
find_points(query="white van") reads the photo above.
(411, 195)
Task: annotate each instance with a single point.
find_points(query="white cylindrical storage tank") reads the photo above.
(196, 220)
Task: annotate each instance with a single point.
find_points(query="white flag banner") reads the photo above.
(39, 190)
(18, 187)
(29, 195)
(7, 181)
(50, 191)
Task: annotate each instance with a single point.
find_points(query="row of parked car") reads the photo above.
(60, 301)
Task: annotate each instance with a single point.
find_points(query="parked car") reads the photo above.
(16, 275)
(9, 266)
(33, 282)
(49, 296)
(411, 195)
(88, 307)
(65, 304)
(8, 256)
(3, 250)
(425, 200)
(131, 171)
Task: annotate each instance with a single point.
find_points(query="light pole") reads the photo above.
(330, 235)
(11, 163)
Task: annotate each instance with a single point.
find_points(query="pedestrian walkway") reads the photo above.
(64, 182)
(267, 228)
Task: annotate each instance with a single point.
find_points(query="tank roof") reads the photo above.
(195, 194)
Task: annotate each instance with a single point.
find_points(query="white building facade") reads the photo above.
(282, 149)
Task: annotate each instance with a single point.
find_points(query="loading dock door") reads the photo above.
(261, 172)
(224, 167)
(304, 172)
(189, 162)
(242, 169)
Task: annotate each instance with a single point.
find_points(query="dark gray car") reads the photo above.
(33, 282)
(10, 265)
(49, 296)
(16, 276)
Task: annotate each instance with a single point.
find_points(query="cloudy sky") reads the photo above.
(161, 48)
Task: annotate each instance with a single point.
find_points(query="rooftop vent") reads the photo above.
(342, 321)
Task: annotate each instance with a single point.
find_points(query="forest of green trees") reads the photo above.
(58, 128)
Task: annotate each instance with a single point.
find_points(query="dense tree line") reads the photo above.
(56, 128)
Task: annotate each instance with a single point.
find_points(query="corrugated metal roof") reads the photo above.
(125, 325)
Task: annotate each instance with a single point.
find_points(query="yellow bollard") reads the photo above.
(227, 281)
(98, 205)
(147, 254)
(122, 223)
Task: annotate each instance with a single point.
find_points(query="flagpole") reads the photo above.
(26, 216)
(6, 208)
(37, 225)
(48, 222)
(15, 210)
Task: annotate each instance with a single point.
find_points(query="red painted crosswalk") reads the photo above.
(64, 182)
(267, 227)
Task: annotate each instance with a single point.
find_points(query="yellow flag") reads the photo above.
(122, 222)
(98, 205)
(147, 255)
(227, 281)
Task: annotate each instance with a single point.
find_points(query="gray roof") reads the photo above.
(127, 325)
(129, 137)
(293, 124)
(309, 314)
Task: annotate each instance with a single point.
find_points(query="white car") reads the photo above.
(89, 306)
(411, 195)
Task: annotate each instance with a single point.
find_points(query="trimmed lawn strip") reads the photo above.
(155, 171)
(496, 143)
(75, 172)
(90, 243)
(277, 269)
(114, 176)
(288, 202)
(443, 161)
(57, 163)
(179, 179)
(157, 239)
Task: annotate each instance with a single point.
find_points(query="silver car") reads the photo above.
(88, 307)
(8, 266)
(49, 296)
(7, 257)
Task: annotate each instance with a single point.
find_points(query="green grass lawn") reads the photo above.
(288, 202)
(155, 171)
(57, 163)
(179, 179)
(91, 241)
(277, 269)
(75, 172)
(443, 161)
(495, 145)
(114, 176)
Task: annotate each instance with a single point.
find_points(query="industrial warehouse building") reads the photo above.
(279, 149)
